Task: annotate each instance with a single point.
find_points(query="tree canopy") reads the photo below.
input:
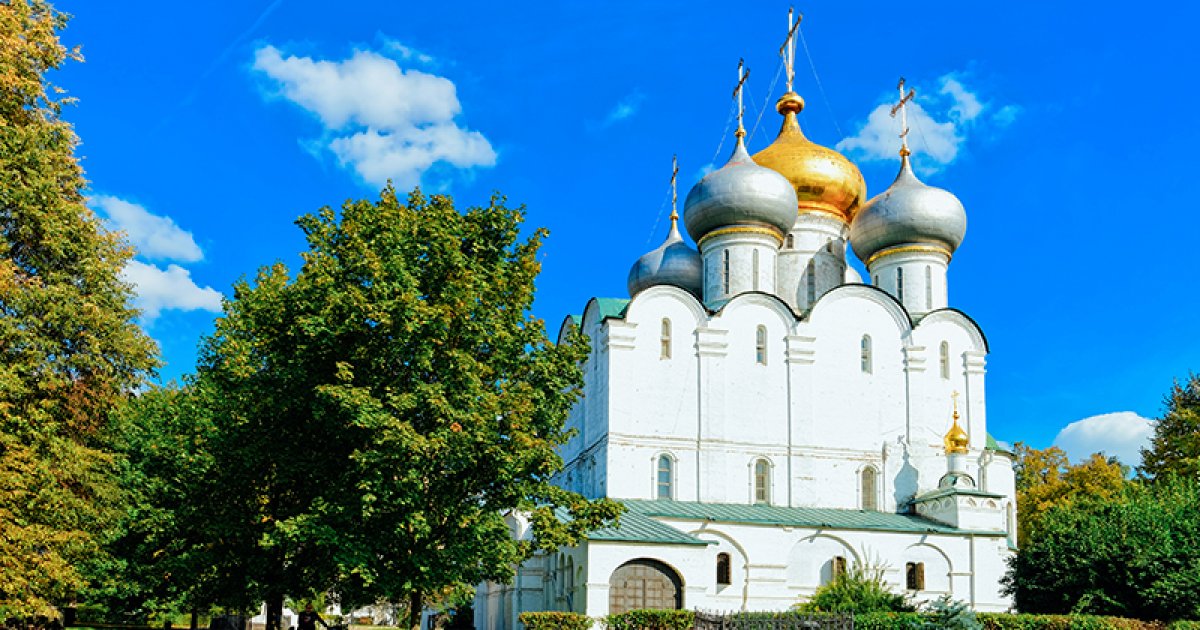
(382, 411)
(1046, 479)
(1175, 447)
(69, 348)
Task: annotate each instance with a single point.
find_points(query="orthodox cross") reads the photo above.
(674, 195)
(902, 107)
(788, 49)
(743, 74)
(953, 396)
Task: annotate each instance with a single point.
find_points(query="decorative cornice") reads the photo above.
(801, 349)
(909, 249)
(742, 229)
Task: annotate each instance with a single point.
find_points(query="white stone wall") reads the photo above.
(751, 265)
(924, 279)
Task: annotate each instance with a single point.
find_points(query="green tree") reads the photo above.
(1175, 447)
(387, 407)
(1046, 479)
(1133, 555)
(859, 590)
(69, 348)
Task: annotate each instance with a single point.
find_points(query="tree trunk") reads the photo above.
(195, 619)
(414, 610)
(275, 611)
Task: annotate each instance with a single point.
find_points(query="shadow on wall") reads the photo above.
(906, 481)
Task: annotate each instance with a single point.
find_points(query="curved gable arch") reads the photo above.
(964, 321)
(876, 295)
(765, 300)
(663, 290)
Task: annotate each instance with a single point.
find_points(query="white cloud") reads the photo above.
(624, 109)
(155, 237)
(1122, 434)
(171, 288)
(384, 121)
(939, 123)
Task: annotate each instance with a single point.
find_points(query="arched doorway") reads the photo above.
(644, 583)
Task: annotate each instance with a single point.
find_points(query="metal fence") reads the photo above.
(772, 621)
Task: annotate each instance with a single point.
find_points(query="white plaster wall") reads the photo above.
(923, 291)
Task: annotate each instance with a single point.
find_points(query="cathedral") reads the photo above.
(769, 418)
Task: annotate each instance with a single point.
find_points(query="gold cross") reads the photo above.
(954, 397)
(788, 49)
(743, 74)
(903, 109)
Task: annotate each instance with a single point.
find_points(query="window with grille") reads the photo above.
(839, 566)
(760, 345)
(762, 481)
(725, 271)
(870, 492)
(944, 359)
(665, 478)
(866, 354)
(914, 576)
(900, 284)
(723, 572)
(665, 340)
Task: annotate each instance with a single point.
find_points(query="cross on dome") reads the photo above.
(788, 49)
(902, 107)
(743, 74)
(674, 191)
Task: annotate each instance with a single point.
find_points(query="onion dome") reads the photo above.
(908, 213)
(824, 180)
(740, 194)
(673, 263)
(956, 440)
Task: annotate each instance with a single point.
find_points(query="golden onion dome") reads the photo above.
(825, 181)
(957, 441)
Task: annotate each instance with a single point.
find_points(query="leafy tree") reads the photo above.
(69, 348)
(1134, 555)
(387, 407)
(1045, 479)
(1175, 447)
(861, 589)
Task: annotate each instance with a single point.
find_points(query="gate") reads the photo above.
(772, 621)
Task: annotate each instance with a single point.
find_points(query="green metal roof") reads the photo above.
(945, 492)
(993, 445)
(611, 307)
(831, 518)
(638, 528)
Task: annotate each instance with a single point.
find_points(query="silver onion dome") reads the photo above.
(740, 193)
(908, 212)
(673, 263)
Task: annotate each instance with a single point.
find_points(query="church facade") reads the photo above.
(769, 418)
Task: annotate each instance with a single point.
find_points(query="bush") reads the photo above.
(945, 613)
(1185, 625)
(651, 620)
(555, 621)
(859, 590)
(1001, 621)
(888, 621)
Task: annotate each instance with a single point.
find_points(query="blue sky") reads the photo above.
(1068, 134)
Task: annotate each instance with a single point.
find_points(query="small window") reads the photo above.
(665, 477)
(928, 287)
(811, 281)
(791, 241)
(944, 359)
(900, 284)
(914, 576)
(760, 345)
(762, 481)
(866, 354)
(754, 268)
(665, 340)
(839, 566)
(870, 493)
(723, 571)
(725, 271)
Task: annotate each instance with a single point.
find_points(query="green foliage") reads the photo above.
(386, 408)
(888, 621)
(1137, 555)
(1184, 625)
(69, 348)
(651, 620)
(1045, 479)
(555, 621)
(861, 589)
(944, 613)
(1175, 448)
(1002, 621)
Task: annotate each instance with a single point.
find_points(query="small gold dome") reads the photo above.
(825, 181)
(957, 441)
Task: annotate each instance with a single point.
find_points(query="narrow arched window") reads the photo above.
(760, 345)
(791, 241)
(665, 477)
(725, 271)
(754, 268)
(811, 281)
(928, 287)
(870, 491)
(723, 572)
(664, 351)
(944, 359)
(866, 354)
(762, 481)
(839, 566)
(900, 284)
(914, 576)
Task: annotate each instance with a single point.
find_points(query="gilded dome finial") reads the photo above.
(902, 107)
(957, 441)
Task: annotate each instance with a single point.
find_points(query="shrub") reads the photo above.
(651, 620)
(555, 621)
(859, 590)
(1001, 621)
(944, 613)
(888, 621)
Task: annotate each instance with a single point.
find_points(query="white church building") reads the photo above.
(769, 418)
